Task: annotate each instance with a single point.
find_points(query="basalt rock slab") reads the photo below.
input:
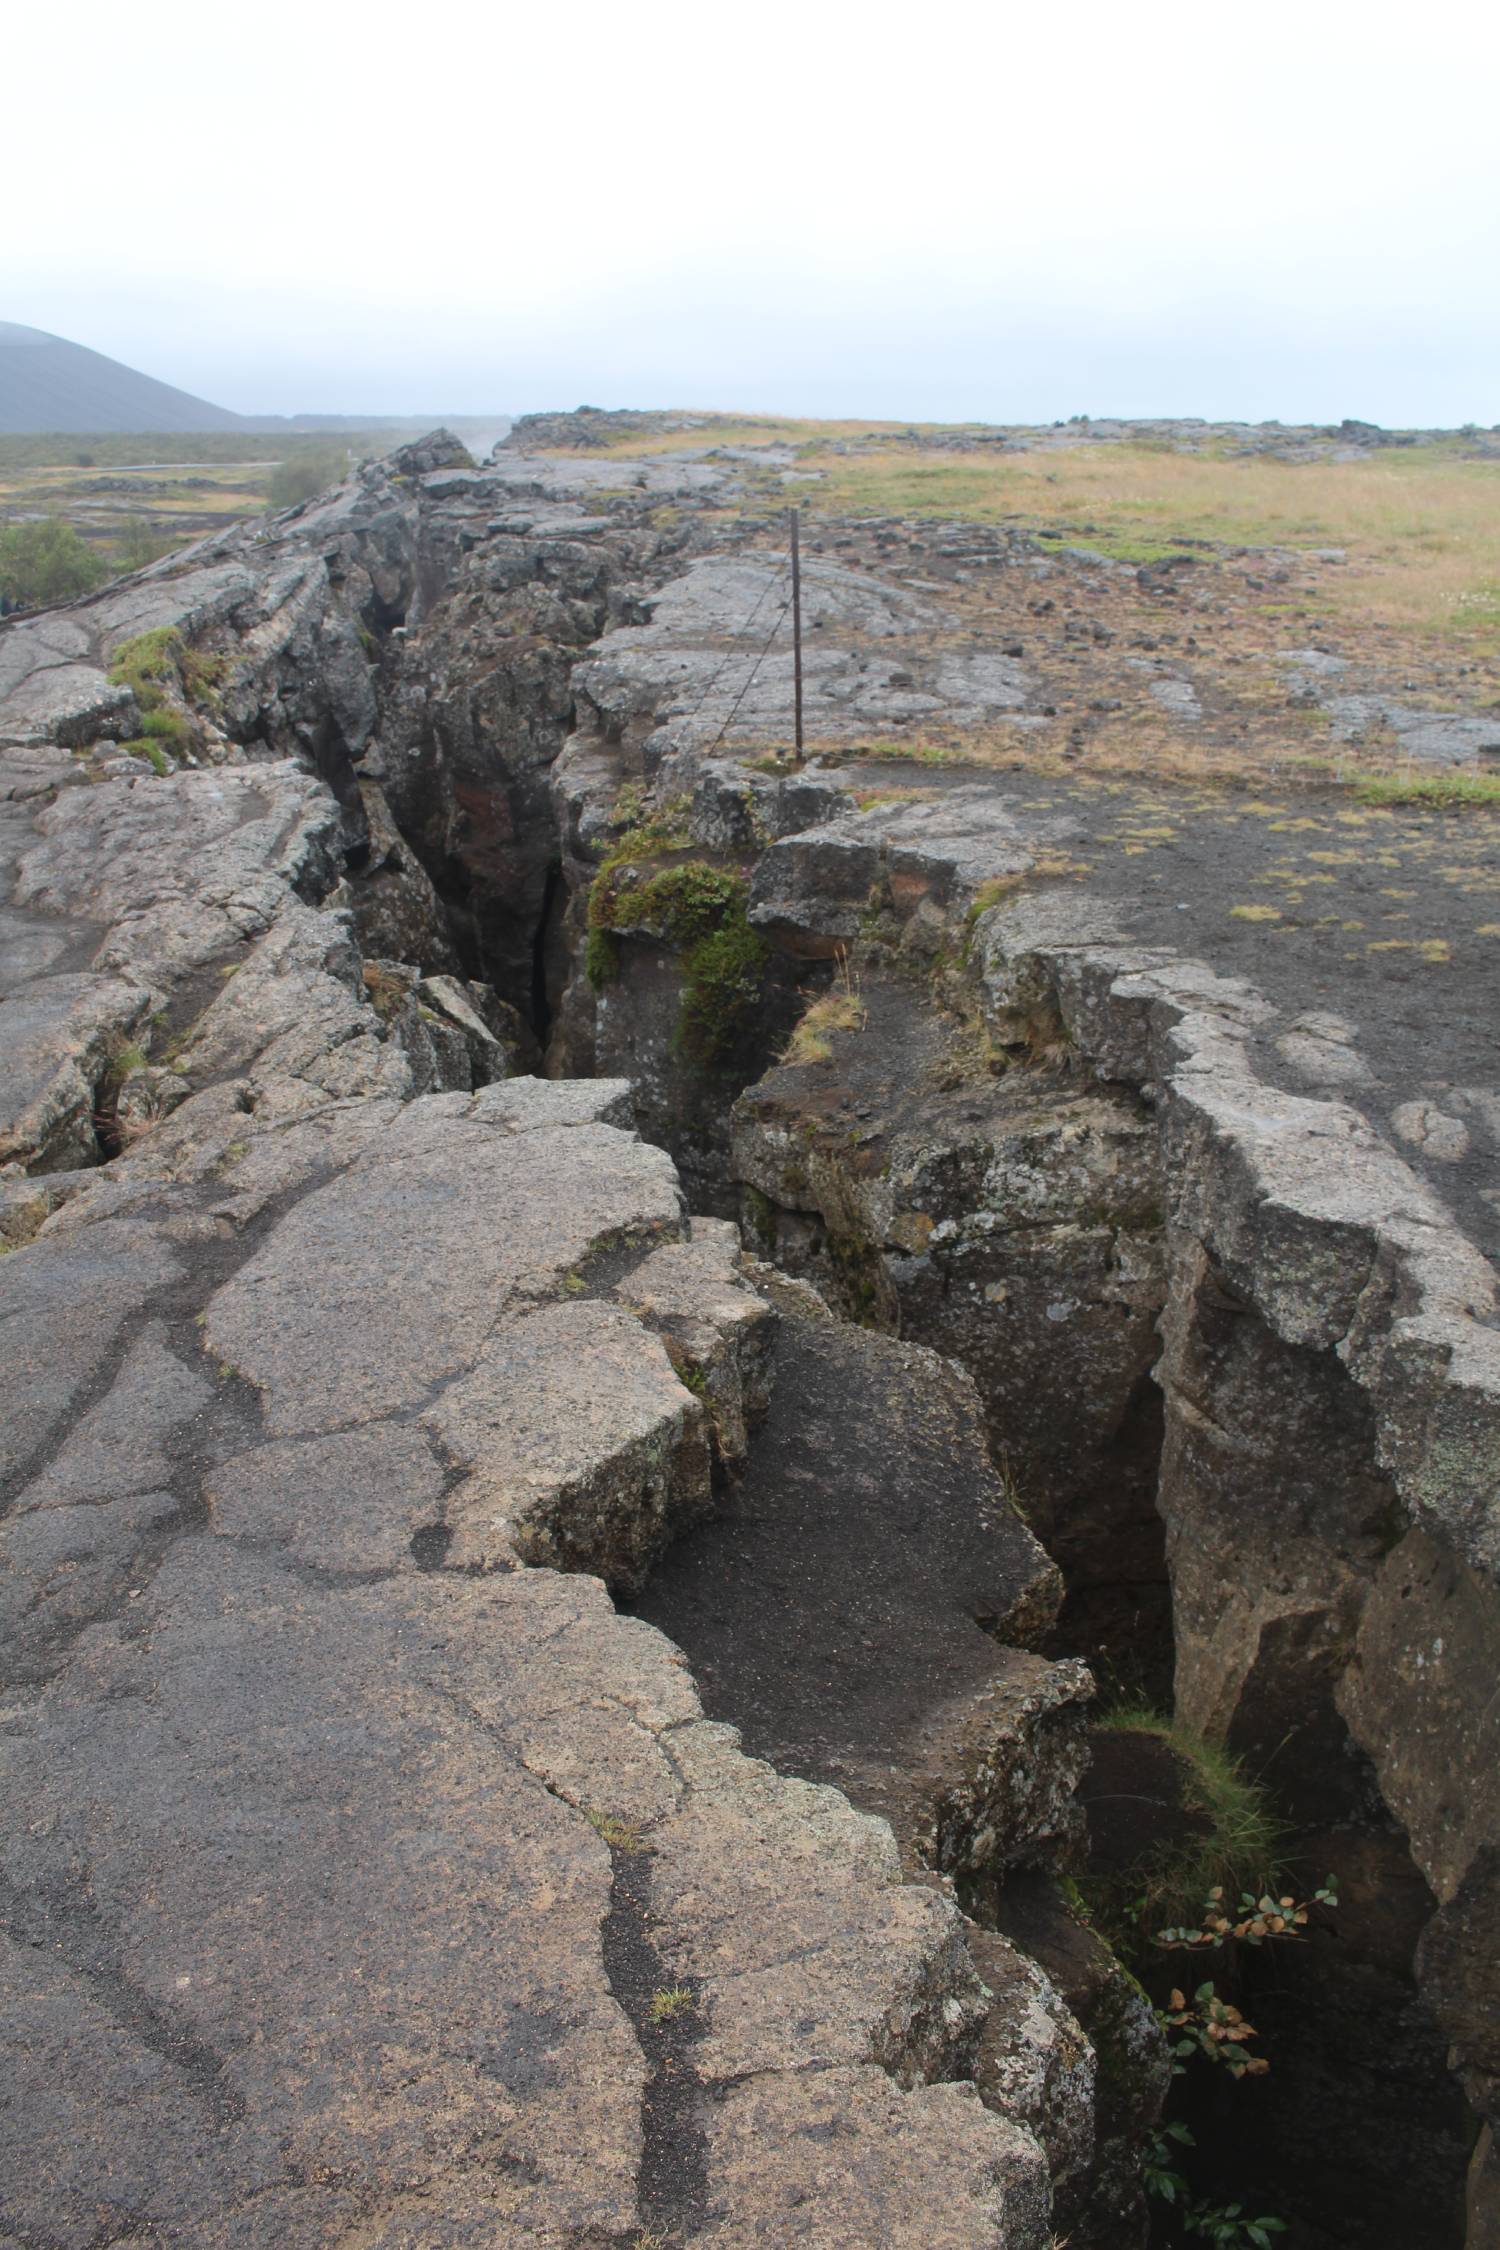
(1101, 2203)
(894, 1583)
(1035, 2063)
(923, 863)
(720, 1332)
(349, 1875)
(59, 1034)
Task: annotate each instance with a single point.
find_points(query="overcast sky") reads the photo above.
(936, 211)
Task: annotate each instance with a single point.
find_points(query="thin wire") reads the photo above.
(733, 656)
(749, 684)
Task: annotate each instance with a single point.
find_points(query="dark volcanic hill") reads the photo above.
(46, 383)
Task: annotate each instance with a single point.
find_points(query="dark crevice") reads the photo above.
(547, 955)
(672, 2185)
(326, 750)
(109, 1135)
(1109, 1541)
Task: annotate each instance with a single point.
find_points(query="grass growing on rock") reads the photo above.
(142, 746)
(388, 991)
(1420, 529)
(153, 662)
(697, 909)
(167, 726)
(158, 668)
(1238, 1846)
(677, 904)
(1445, 790)
(620, 1835)
(838, 1009)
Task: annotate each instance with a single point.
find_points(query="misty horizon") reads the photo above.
(965, 402)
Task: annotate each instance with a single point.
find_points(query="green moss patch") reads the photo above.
(677, 905)
(724, 980)
(160, 665)
(698, 910)
(142, 746)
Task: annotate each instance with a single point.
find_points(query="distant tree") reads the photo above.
(138, 545)
(46, 561)
(304, 475)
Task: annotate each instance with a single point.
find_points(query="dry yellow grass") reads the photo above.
(233, 489)
(736, 429)
(1420, 528)
(1147, 750)
(839, 1009)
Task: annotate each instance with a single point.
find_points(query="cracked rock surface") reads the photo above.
(324, 1847)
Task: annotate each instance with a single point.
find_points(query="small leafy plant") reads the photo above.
(1159, 2176)
(1230, 2225)
(1215, 2029)
(1209, 2026)
(1256, 1919)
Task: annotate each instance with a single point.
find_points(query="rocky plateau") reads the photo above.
(618, 1346)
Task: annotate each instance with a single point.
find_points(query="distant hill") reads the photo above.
(49, 386)
(46, 383)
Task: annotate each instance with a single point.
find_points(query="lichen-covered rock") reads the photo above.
(947, 2176)
(1008, 1797)
(1035, 2064)
(582, 1448)
(1101, 2202)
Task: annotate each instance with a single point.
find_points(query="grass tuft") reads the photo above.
(839, 1009)
(619, 1834)
(1241, 1851)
